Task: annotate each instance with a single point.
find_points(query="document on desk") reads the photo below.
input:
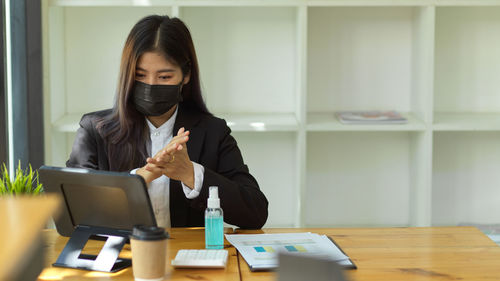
(260, 251)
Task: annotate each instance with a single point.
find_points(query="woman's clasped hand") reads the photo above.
(173, 160)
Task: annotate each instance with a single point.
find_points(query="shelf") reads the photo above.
(318, 122)
(238, 122)
(109, 3)
(466, 121)
(68, 123)
(343, 70)
(348, 178)
(467, 59)
(372, 3)
(270, 3)
(275, 152)
(467, 2)
(465, 178)
(297, 62)
(182, 3)
(244, 52)
(260, 122)
(239, 3)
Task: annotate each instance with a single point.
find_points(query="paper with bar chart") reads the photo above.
(260, 250)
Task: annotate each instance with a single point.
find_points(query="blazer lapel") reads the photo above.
(189, 120)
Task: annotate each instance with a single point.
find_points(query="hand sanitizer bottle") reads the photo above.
(214, 219)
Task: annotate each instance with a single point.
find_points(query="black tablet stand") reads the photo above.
(106, 261)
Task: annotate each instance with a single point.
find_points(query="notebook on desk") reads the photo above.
(260, 251)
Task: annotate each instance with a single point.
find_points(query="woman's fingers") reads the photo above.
(181, 130)
(171, 147)
(154, 169)
(174, 142)
(175, 146)
(166, 158)
(163, 155)
(181, 134)
(159, 162)
(155, 161)
(166, 155)
(181, 138)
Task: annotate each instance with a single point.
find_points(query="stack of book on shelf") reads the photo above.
(371, 117)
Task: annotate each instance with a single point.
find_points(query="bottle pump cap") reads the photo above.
(213, 197)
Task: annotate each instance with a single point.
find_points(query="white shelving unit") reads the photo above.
(278, 70)
(467, 119)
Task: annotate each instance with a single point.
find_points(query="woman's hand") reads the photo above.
(172, 161)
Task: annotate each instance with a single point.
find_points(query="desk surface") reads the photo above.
(434, 253)
(438, 253)
(181, 238)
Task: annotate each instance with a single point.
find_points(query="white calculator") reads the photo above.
(200, 259)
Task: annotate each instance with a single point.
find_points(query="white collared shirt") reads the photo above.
(159, 189)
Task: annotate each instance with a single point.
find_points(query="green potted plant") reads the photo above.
(23, 182)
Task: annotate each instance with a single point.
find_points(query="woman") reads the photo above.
(158, 94)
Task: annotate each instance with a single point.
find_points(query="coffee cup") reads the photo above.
(149, 253)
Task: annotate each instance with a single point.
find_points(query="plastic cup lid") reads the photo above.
(142, 232)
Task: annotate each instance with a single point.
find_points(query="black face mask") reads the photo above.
(155, 100)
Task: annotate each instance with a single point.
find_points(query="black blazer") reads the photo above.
(211, 145)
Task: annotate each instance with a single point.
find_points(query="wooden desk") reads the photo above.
(434, 253)
(22, 218)
(441, 253)
(181, 238)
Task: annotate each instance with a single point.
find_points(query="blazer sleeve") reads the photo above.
(242, 201)
(84, 150)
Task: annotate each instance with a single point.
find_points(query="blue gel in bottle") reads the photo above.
(214, 221)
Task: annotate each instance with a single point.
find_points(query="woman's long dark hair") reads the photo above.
(125, 128)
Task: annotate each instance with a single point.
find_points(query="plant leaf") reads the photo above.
(29, 179)
(6, 179)
(21, 182)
